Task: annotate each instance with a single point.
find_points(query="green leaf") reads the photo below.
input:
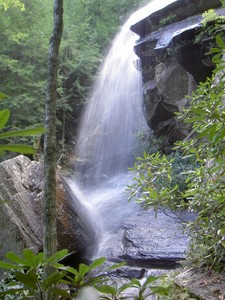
(53, 279)
(83, 269)
(222, 132)
(135, 282)
(69, 269)
(2, 96)
(107, 289)
(160, 290)
(18, 148)
(125, 287)
(32, 259)
(11, 291)
(57, 256)
(151, 279)
(212, 132)
(220, 42)
(15, 258)
(25, 132)
(97, 280)
(4, 116)
(29, 279)
(215, 50)
(60, 292)
(97, 262)
(4, 265)
(116, 266)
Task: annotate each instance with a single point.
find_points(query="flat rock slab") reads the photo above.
(144, 240)
(203, 285)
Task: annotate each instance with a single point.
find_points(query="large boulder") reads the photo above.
(21, 216)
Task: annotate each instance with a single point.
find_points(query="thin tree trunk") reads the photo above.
(50, 231)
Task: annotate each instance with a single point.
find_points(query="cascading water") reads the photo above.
(113, 116)
(114, 112)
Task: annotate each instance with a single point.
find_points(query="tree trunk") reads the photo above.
(50, 231)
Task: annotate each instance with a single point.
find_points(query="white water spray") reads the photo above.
(112, 118)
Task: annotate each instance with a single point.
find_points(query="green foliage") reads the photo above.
(160, 180)
(213, 25)
(6, 4)
(152, 180)
(208, 16)
(144, 142)
(206, 184)
(26, 280)
(23, 60)
(88, 30)
(113, 293)
(204, 193)
(146, 289)
(167, 20)
(19, 148)
(149, 287)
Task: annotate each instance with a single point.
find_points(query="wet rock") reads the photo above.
(21, 216)
(181, 10)
(129, 272)
(149, 242)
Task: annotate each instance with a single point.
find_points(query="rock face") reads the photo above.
(202, 285)
(172, 64)
(21, 197)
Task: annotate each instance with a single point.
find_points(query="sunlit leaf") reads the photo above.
(107, 289)
(5, 265)
(83, 269)
(116, 266)
(97, 262)
(4, 117)
(25, 132)
(15, 258)
(2, 96)
(18, 148)
(61, 254)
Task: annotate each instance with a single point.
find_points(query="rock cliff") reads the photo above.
(172, 63)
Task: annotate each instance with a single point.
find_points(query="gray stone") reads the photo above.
(206, 285)
(21, 216)
(147, 241)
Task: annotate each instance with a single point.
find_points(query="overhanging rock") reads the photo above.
(180, 9)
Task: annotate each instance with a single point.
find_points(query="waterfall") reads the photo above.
(112, 118)
(114, 111)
